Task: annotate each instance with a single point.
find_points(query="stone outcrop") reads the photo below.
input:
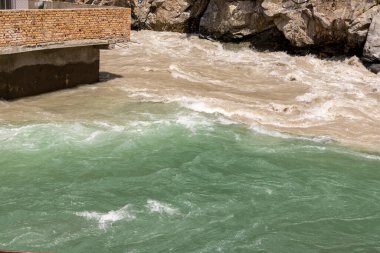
(304, 23)
(320, 23)
(161, 15)
(334, 25)
(361, 21)
(328, 27)
(371, 53)
(372, 46)
(233, 20)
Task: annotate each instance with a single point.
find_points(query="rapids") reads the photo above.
(189, 145)
(336, 99)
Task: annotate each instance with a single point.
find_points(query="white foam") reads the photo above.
(193, 121)
(370, 157)
(196, 104)
(27, 237)
(107, 219)
(178, 72)
(109, 126)
(141, 94)
(155, 206)
(224, 121)
(361, 155)
(264, 131)
(92, 136)
(324, 111)
(308, 97)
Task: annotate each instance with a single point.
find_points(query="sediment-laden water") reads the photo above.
(188, 146)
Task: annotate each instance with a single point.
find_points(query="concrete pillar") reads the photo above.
(35, 72)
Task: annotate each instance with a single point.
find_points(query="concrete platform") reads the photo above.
(32, 70)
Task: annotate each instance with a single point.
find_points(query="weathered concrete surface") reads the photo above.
(35, 72)
(62, 5)
(102, 44)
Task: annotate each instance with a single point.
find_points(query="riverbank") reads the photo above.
(322, 28)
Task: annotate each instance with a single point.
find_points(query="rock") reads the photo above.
(233, 20)
(371, 52)
(330, 27)
(198, 9)
(168, 15)
(325, 27)
(375, 68)
(161, 15)
(270, 40)
(322, 23)
(359, 26)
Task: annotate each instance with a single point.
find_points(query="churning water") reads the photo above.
(191, 147)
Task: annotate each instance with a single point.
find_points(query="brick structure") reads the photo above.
(32, 27)
(51, 49)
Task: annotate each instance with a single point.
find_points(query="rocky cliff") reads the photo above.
(325, 27)
(161, 15)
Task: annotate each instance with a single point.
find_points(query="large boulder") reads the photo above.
(233, 19)
(198, 8)
(371, 52)
(360, 23)
(160, 15)
(319, 23)
(336, 27)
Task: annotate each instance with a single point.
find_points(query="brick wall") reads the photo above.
(31, 27)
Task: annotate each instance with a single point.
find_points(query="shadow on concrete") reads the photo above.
(105, 76)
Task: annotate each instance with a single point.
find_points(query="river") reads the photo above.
(189, 145)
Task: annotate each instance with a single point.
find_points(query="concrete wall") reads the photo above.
(31, 27)
(36, 4)
(21, 4)
(66, 5)
(36, 72)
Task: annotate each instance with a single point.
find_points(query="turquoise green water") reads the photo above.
(150, 177)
